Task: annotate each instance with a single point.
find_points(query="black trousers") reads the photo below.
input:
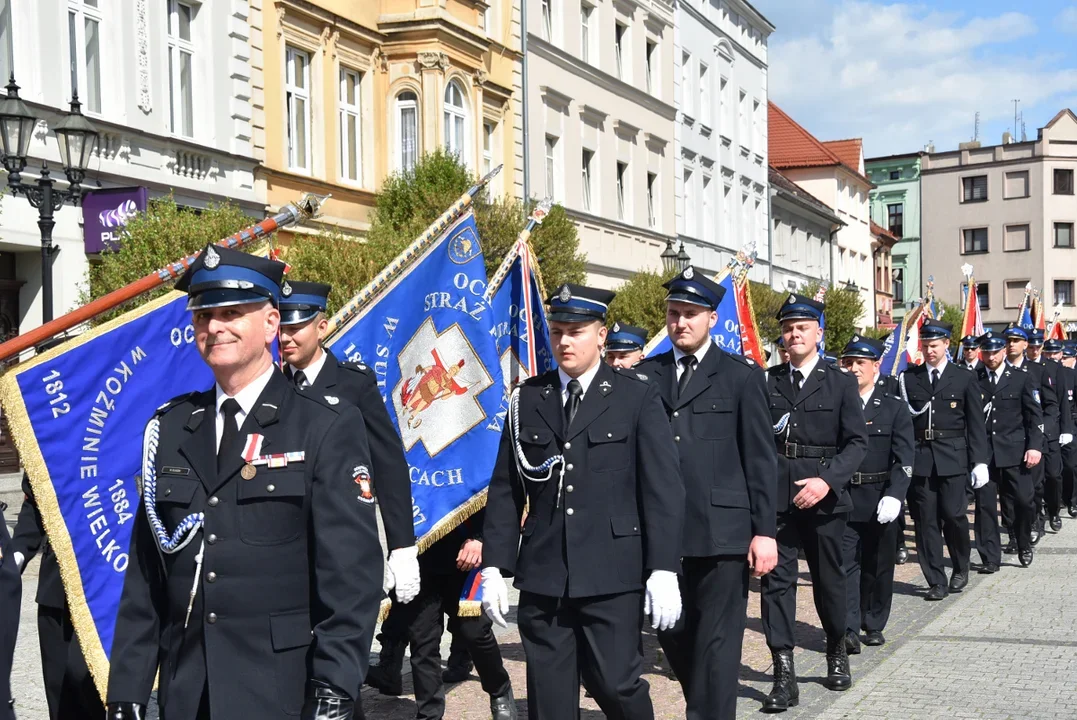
(69, 687)
(939, 505)
(421, 622)
(1014, 486)
(821, 537)
(1052, 485)
(11, 604)
(869, 550)
(598, 637)
(1069, 474)
(704, 646)
(901, 521)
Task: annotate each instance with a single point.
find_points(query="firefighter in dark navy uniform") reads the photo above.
(948, 422)
(589, 450)
(717, 406)
(877, 491)
(1049, 495)
(1068, 361)
(970, 352)
(1015, 434)
(256, 573)
(624, 345)
(821, 439)
(10, 606)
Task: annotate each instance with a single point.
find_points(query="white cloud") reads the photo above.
(900, 75)
(1067, 20)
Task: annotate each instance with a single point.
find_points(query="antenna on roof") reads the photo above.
(976, 127)
(1024, 136)
(1016, 103)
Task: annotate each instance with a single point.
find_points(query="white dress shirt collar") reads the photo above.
(311, 371)
(698, 354)
(805, 369)
(248, 395)
(585, 379)
(941, 367)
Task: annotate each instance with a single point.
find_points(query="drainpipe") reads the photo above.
(523, 85)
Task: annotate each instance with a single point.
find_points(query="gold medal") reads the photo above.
(248, 472)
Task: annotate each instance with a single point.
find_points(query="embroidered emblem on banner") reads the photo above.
(464, 246)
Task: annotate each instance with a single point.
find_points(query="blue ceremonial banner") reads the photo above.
(77, 413)
(726, 332)
(520, 329)
(428, 336)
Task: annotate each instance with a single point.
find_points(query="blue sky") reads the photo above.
(902, 74)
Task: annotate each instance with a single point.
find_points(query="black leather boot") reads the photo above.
(785, 693)
(386, 675)
(503, 707)
(838, 676)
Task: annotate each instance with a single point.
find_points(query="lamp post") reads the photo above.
(77, 138)
(675, 259)
(683, 260)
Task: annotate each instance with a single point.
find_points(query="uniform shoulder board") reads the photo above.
(742, 359)
(178, 400)
(355, 366)
(632, 373)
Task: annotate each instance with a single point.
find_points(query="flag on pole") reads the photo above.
(1024, 312)
(820, 297)
(1039, 319)
(902, 347)
(972, 320)
(751, 345)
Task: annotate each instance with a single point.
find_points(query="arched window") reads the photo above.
(456, 121)
(407, 130)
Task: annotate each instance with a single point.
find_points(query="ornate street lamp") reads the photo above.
(669, 257)
(683, 260)
(77, 138)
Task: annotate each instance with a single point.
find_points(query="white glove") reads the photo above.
(19, 560)
(979, 476)
(888, 510)
(495, 596)
(404, 565)
(662, 600)
(1065, 439)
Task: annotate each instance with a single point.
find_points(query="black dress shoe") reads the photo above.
(838, 677)
(1037, 534)
(503, 707)
(937, 592)
(1011, 546)
(1056, 523)
(958, 581)
(1025, 556)
(852, 643)
(1072, 511)
(874, 638)
(988, 569)
(903, 554)
(785, 693)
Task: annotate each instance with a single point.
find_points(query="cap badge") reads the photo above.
(286, 290)
(689, 273)
(792, 299)
(856, 338)
(616, 327)
(565, 295)
(213, 258)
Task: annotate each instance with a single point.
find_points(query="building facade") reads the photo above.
(600, 97)
(802, 232)
(346, 93)
(895, 205)
(1008, 210)
(151, 77)
(720, 74)
(882, 245)
(833, 172)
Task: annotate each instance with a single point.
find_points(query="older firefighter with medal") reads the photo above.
(588, 449)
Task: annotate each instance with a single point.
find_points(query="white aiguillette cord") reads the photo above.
(522, 466)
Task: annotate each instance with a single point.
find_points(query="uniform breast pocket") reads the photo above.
(879, 434)
(174, 497)
(535, 442)
(817, 406)
(712, 418)
(953, 401)
(608, 448)
(1006, 401)
(272, 507)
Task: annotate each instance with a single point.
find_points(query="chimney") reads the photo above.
(930, 147)
(970, 145)
(1007, 138)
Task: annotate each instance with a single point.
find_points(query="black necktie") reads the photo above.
(798, 378)
(934, 377)
(688, 363)
(575, 394)
(230, 435)
(300, 379)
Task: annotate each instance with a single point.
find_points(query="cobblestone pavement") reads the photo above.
(1006, 647)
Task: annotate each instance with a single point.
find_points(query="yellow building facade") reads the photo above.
(346, 92)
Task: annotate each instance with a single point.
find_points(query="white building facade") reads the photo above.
(720, 72)
(600, 141)
(166, 83)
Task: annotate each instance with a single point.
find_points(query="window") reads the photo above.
(1063, 183)
(588, 156)
(652, 62)
(552, 186)
(619, 41)
(1017, 238)
(622, 178)
(488, 130)
(586, 11)
(983, 296)
(895, 175)
(974, 188)
(689, 205)
(1063, 235)
(757, 121)
(180, 60)
(743, 127)
(456, 121)
(897, 278)
(975, 240)
(1063, 292)
(547, 20)
(708, 211)
(652, 199)
(7, 45)
(725, 103)
(1015, 293)
(407, 130)
(297, 97)
(351, 155)
(84, 48)
(895, 219)
(1016, 184)
(688, 102)
(704, 96)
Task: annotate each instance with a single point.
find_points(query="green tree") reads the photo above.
(154, 238)
(640, 301)
(843, 309)
(766, 302)
(554, 241)
(343, 261)
(953, 314)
